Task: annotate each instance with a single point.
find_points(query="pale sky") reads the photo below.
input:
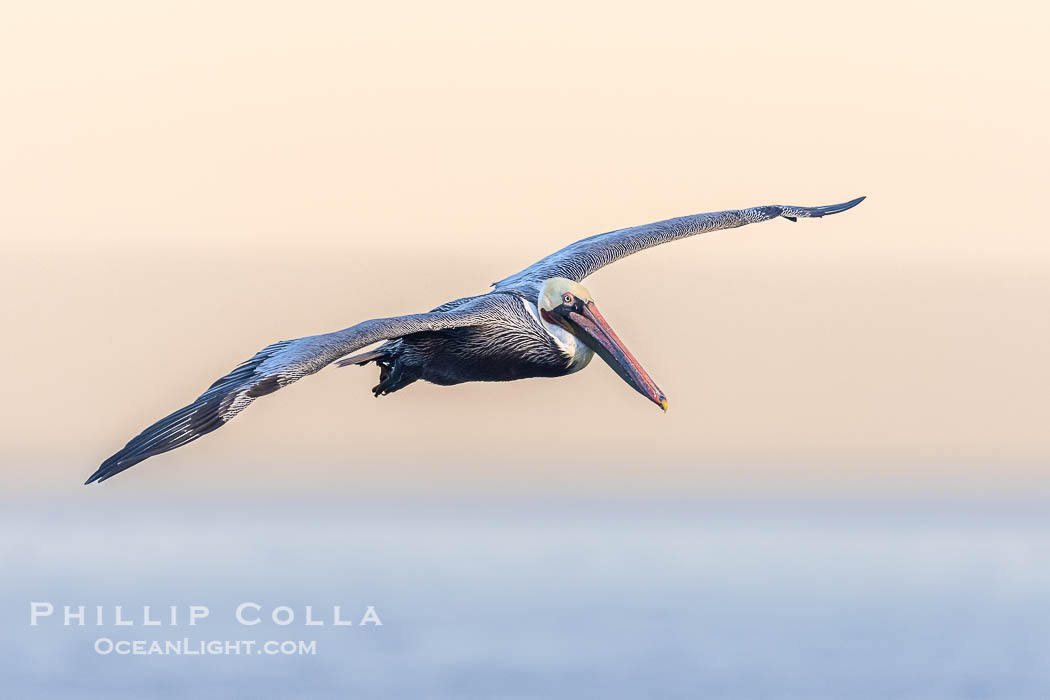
(184, 183)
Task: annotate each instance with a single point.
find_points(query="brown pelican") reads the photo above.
(540, 322)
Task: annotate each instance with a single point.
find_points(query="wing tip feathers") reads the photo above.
(796, 213)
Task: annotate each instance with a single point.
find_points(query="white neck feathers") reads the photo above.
(577, 354)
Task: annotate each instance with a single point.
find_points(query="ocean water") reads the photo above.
(532, 599)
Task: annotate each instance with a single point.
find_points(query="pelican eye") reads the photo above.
(568, 298)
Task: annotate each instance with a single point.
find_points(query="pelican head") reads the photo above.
(568, 305)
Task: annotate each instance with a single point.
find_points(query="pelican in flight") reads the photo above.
(540, 322)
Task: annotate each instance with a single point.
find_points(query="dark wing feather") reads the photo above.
(586, 256)
(270, 369)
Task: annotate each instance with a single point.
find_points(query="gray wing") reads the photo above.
(586, 256)
(270, 369)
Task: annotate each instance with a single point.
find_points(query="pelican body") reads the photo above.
(518, 344)
(540, 322)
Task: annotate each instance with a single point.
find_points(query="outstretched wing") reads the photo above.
(586, 256)
(270, 369)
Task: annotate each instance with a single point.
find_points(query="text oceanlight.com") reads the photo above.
(214, 647)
